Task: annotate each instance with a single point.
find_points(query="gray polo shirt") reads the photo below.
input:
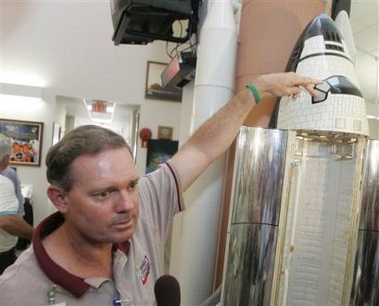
(36, 280)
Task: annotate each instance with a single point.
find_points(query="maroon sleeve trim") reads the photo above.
(178, 187)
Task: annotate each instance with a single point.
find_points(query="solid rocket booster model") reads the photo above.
(321, 52)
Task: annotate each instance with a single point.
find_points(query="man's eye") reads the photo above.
(103, 194)
(132, 185)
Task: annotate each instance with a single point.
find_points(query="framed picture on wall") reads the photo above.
(159, 151)
(165, 132)
(153, 88)
(26, 137)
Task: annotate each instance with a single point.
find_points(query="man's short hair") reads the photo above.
(5, 146)
(83, 140)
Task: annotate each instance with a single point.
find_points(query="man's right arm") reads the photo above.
(16, 226)
(216, 134)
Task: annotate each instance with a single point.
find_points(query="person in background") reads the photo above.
(105, 243)
(12, 225)
(5, 153)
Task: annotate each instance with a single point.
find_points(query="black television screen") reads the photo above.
(142, 21)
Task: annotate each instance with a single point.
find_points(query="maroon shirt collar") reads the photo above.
(73, 284)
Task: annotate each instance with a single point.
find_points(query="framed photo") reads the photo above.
(165, 132)
(26, 139)
(153, 88)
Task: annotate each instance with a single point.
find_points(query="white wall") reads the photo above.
(156, 113)
(66, 47)
(374, 128)
(67, 44)
(32, 110)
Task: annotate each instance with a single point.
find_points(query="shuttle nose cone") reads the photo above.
(321, 52)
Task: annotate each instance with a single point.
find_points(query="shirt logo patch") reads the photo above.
(143, 270)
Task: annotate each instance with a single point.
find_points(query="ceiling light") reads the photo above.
(100, 111)
(20, 90)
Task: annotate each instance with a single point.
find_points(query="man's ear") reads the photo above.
(58, 197)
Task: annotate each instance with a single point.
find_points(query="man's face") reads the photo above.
(102, 205)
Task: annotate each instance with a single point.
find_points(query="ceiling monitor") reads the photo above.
(143, 21)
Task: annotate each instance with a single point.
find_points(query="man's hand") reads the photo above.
(16, 226)
(215, 135)
(285, 84)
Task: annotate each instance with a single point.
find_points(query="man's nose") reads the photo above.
(125, 201)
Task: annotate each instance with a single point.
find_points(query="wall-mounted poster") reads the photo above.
(165, 132)
(159, 151)
(154, 89)
(26, 137)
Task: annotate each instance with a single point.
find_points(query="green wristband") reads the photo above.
(255, 93)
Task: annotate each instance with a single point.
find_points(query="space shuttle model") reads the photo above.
(304, 227)
(322, 52)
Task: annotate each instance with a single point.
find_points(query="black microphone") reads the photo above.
(167, 291)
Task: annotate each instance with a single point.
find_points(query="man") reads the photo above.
(9, 172)
(24, 208)
(105, 244)
(12, 225)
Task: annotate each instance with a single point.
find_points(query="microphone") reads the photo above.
(167, 291)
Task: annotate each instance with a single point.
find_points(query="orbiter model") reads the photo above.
(322, 52)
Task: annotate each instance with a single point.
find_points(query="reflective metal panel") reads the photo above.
(258, 179)
(250, 267)
(370, 188)
(364, 289)
(366, 275)
(259, 173)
